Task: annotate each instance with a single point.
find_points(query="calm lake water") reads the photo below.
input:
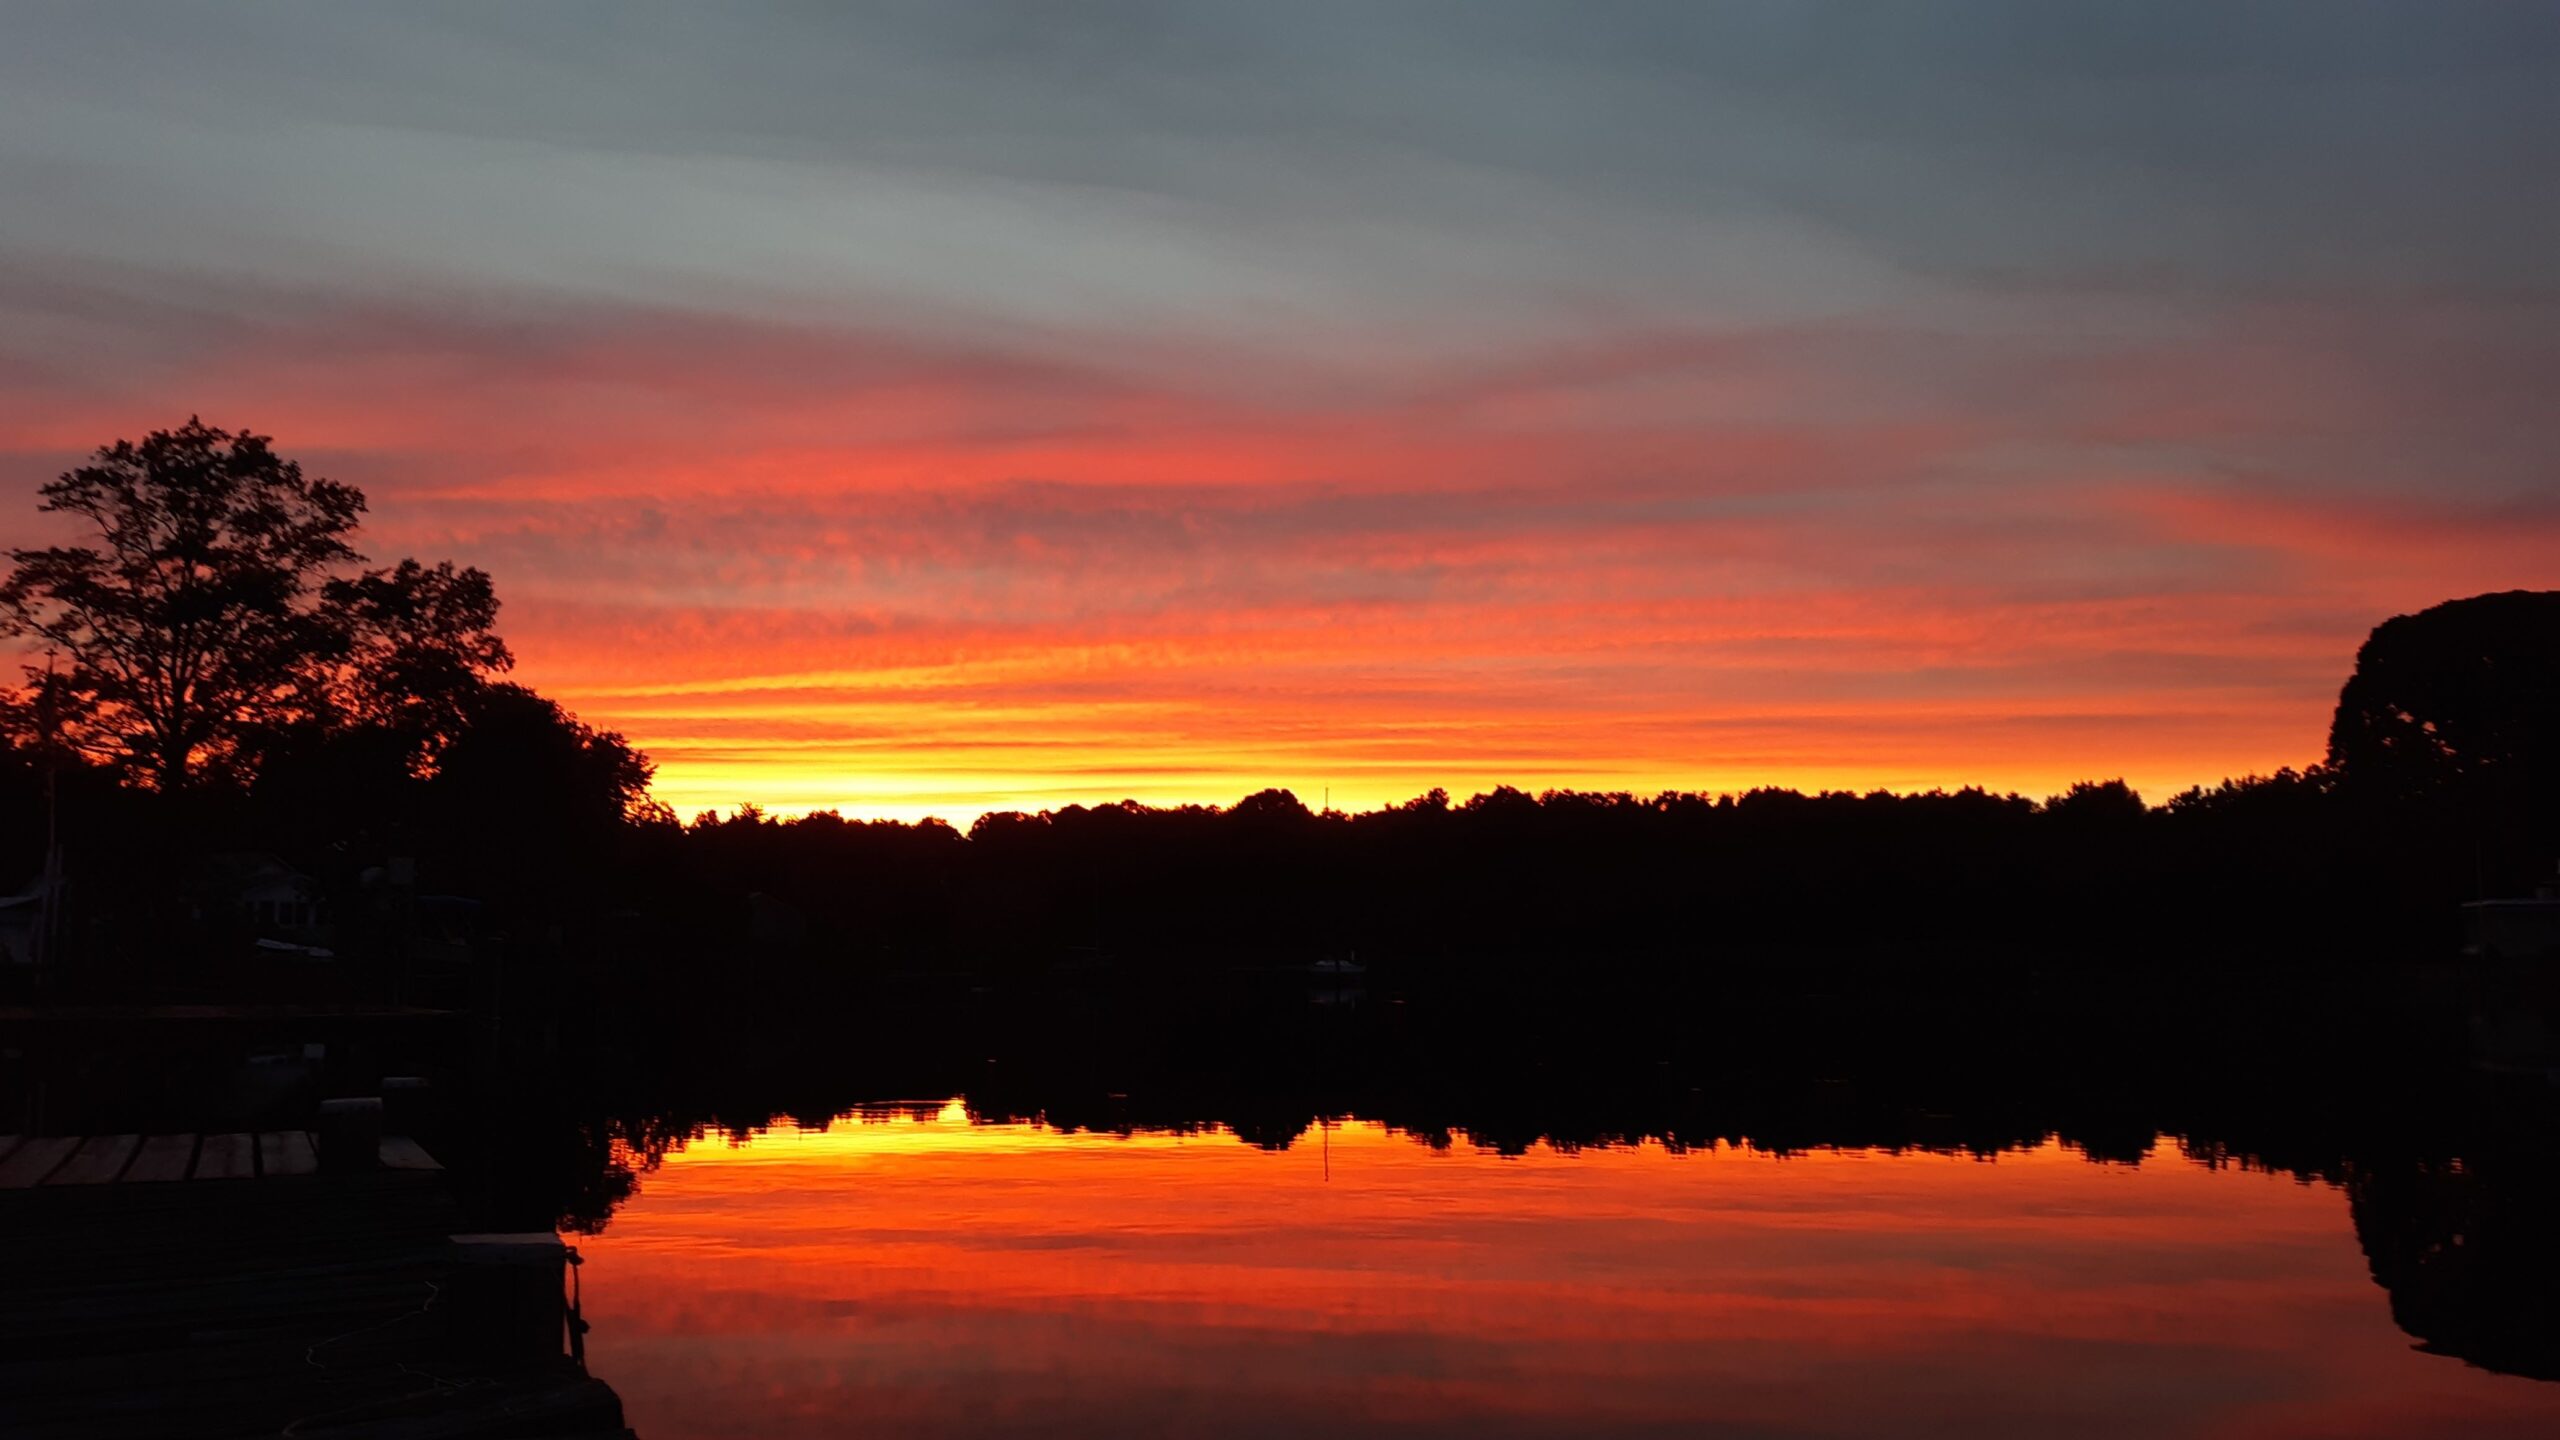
(906, 1272)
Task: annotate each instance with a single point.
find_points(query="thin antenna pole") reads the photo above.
(48, 903)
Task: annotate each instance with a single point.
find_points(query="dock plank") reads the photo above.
(287, 1152)
(228, 1157)
(98, 1161)
(35, 1159)
(399, 1152)
(163, 1158)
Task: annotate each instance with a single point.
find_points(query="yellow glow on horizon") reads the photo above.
(786, 778)
(888, 1131)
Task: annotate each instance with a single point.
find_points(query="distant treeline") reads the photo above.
(2283, 863)
(2441, 783)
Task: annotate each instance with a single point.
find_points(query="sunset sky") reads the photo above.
(928, 409)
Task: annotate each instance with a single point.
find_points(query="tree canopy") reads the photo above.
(218, 605)
(2456, 710)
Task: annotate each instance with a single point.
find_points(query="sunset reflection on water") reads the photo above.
(908, 1272)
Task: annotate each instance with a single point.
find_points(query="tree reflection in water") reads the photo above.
(2449, 1172)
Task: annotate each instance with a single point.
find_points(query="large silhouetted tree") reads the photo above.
(187, 622)
(527, 796)
(214, 606)
(420, 651)
(2455, 711)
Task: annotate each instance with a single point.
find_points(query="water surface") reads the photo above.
(907, 1272)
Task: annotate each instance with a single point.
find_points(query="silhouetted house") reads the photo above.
(20, 915)
(2516, 929)
(444, 934)
(271, 899)
(447, 920)
(1339, 980)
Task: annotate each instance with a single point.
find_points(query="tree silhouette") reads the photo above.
(2455, 712)
(212, 615)
(2097, 803)
(188, 626)
(420, 650)
(524, 777)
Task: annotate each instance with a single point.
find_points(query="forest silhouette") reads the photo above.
(216, 672)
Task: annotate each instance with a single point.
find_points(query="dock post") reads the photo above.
(406, 1101)
(351, 1135)
(508, 1304)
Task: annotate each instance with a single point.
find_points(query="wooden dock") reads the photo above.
(173, 1286)
(161, 1159)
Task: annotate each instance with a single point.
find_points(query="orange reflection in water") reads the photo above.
(910, 1275)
